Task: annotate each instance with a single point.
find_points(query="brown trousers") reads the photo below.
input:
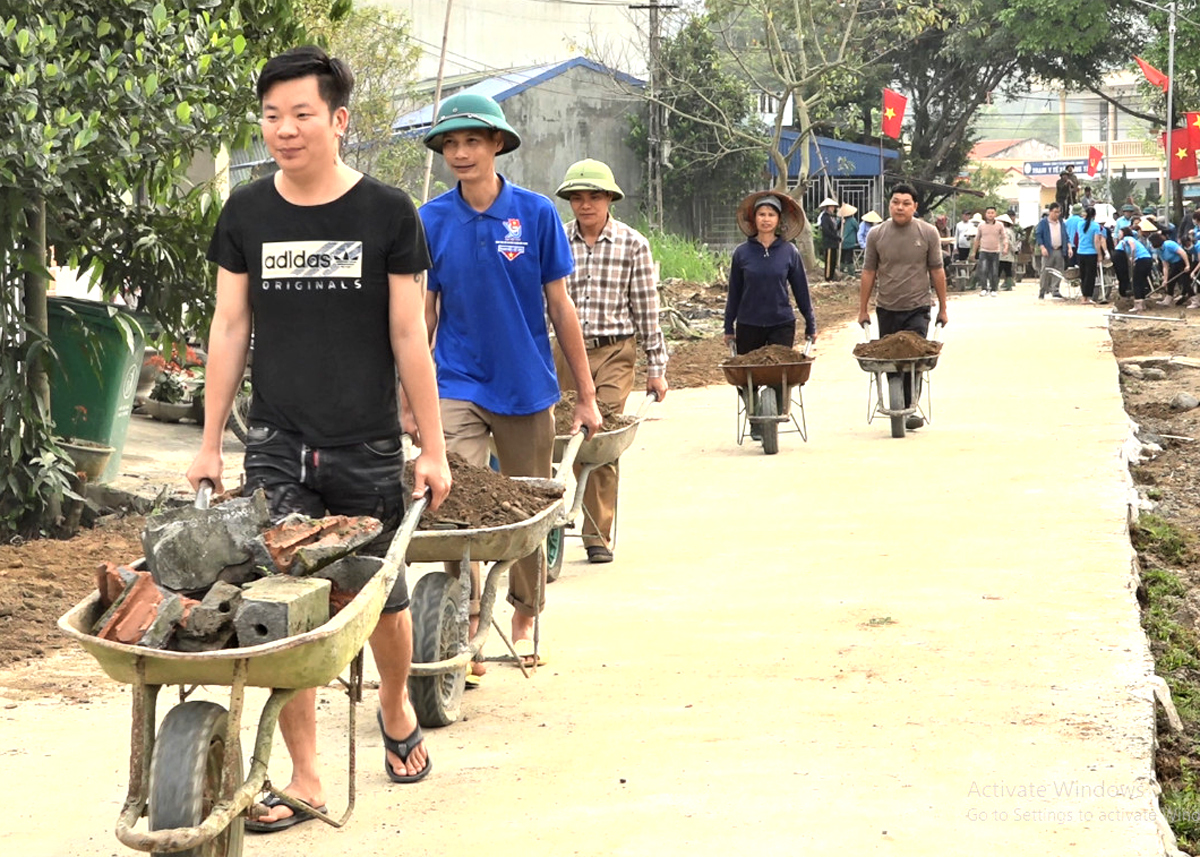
(525, 447)
(612, 369)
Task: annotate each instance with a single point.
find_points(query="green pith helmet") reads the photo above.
(589, 174)
(465, 111)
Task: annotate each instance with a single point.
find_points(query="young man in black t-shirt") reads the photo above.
(326, 266)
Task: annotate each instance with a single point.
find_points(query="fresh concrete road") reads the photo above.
(860, 645)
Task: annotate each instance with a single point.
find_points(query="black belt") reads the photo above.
(604, 341)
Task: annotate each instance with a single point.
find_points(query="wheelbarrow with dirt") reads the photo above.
(188, 780)
(443, 646)
(891, 374)
(604, 447)
(770, 395)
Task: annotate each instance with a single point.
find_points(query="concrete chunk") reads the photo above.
(348, 576)
(186, 549)
(301, 546)
(163, 623)
(214, 614)
(278, 607)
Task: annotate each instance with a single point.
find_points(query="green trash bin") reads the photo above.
(92, 385)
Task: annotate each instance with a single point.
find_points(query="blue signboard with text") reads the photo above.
(1053, 168)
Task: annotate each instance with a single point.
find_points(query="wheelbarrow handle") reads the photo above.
(204, 493)
(645, 405)
(865, 330)
(938, 330)
(809, 342)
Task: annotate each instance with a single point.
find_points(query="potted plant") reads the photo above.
(178, 391)
(89, 457)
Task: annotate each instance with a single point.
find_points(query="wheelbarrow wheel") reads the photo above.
(185, 776)
(768, 406)
(555, 542)
(896, 402)
(435, 608)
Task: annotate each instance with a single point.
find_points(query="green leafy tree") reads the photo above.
(707, 105)
(104, 105)
(950, 73)
(379, 46)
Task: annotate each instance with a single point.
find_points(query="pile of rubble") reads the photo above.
(224, 577)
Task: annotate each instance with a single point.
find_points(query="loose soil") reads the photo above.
(481, 497)
(903, 345)
(1170, 482)
(42, 579)
(768, 355)
(564, 416)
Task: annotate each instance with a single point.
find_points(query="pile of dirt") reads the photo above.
(481, 497)
(564, 416)
(768, 355)
(696, 356)
(42, 579)
(904, 345)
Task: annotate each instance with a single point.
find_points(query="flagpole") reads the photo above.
(879, 188)
(1170, 102)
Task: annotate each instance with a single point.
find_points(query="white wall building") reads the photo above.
(490, 35)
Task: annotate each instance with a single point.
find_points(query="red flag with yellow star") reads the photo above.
(1181, 157)
(1095, 156)
(1193, 124)
(893, 112)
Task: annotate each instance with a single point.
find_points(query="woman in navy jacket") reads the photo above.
(765, 268)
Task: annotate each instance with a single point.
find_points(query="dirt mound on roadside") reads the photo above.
(904, 345)
(481, 497)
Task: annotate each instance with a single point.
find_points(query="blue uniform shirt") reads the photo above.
(493, 345)
(1170, 252)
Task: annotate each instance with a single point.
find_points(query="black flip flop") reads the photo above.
(297, 817)
(403, 749)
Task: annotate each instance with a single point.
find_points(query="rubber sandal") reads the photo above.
(403, 749)
(524, 650)
(472, 680)
(298, 816)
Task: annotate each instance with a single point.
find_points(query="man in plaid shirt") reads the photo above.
(615, 293)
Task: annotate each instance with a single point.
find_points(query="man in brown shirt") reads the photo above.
(904, 260)
(991, 240)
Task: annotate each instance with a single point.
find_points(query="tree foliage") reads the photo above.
(950, 73)
(104, 105)
(378, 45)
(706, 106)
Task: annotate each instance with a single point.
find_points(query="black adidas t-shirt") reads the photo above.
(323, 362)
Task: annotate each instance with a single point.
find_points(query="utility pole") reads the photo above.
(657, 124)
(437, 100)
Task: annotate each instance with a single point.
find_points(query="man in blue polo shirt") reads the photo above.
(500, 262)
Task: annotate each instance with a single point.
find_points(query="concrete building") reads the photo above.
(488, 36)
(1034, 136)
(564, 112)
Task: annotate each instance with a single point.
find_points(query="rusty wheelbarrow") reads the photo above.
(188, 780)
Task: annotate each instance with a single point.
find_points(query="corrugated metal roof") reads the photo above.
(859, 159)
(506, 85)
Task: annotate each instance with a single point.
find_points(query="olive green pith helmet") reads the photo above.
(589, 174)
(466, 111)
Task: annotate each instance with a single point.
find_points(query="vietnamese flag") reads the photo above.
(1095, 156)
(1156, 77)
(1193, 124)
(893, 112)
(1181, 157)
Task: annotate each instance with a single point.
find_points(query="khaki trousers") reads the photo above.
(612, 368)
(525, 447)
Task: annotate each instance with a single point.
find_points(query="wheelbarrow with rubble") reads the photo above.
(604, 447)
(770, 395)
(890, 374)
(188, 781)
(443, 646)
